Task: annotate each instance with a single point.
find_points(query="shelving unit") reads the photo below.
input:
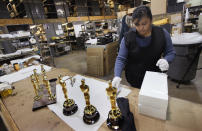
(20, 39)
(49, 8)
(70, 35)
(193, 21)
(17, 8)
(15, 43)
(4, 22)
(13, 57)
(60, 46)
(90, 18)
(78, 7)
(90, 27)
(194, 16)
(94, 8)
(10, 46)
(43, 45)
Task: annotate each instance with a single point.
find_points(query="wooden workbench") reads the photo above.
(17, 112)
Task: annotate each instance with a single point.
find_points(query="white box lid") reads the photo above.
(154, 84)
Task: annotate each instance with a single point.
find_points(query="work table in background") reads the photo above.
(17, 112)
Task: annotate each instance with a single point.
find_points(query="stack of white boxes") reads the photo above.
(153, 96)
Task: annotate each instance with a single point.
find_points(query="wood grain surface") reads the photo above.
(181, 115)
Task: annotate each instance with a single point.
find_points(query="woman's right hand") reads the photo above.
(116, 83)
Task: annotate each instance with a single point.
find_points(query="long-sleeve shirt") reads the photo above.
(169, 52)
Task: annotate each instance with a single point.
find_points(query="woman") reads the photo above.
(144, 48)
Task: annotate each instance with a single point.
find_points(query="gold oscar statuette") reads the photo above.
(114, 120)
(36, 76)
(69, 106)
(91, 115)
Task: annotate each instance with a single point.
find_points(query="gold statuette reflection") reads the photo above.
(43, 70)
(35, 85)
(48, 87)
(36, 76)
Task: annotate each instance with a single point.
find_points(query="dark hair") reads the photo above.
(142, 11)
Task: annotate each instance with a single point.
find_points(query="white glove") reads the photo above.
(162, 64)
(116, 83)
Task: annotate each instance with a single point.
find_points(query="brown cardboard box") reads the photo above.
(95, 59)
(158, 7)
(177, 29)
(176, 18)
(101, 59)
(110, 57)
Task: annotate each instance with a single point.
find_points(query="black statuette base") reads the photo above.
(67, 111)
(115, 124)
(91, 119)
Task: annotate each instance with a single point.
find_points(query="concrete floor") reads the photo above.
(75, 61)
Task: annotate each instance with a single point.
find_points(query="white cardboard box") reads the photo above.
(153, 96)
(153, 112)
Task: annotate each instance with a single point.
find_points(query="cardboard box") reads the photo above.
(177, 29)
(101, 59)
(153, 112)
(110, 56)
(153, 96)
(95, 59)
(158, 7)
(176, 18)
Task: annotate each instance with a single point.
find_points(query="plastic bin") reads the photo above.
(185, 54)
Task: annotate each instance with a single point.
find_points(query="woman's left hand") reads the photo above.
(162, 64)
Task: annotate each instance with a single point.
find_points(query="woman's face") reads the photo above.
(143, 26)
